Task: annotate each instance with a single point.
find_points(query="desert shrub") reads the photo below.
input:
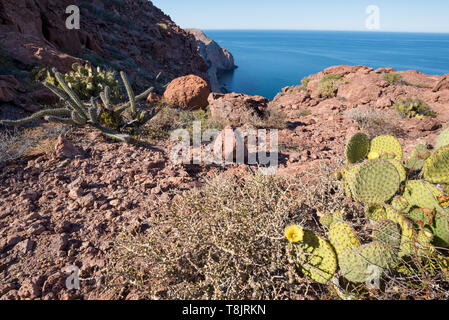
(413, 107)
(17, 143)
(304, 113)
(392, 78)
(374, 122)
(328, 85)
(304, 83)
(223, 242)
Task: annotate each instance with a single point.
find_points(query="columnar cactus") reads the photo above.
(79, 113)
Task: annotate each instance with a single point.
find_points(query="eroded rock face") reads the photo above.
(217, 59)
(124, 35)
(189, 92)
(236, 108)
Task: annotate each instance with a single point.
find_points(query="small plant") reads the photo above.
(76, 112)
(86, 81)
(304, 83)
(304, 113)
(414, 107)
(328, 85)
(392, 78)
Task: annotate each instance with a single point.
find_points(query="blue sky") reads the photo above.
(395, 15)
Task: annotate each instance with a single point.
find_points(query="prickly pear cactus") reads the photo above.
(367, 261)
(421, 194)
(436, 167)
(349, 175)
(400, 203)
(400, 168)
(387, 231)
(376, 213)
(443, 139)
(312, 254)
(387, 146)
(376, 182)
(357, 148)
(441, 229)
(418, 157)
(342, 236)
(408, 232)
(424, 243)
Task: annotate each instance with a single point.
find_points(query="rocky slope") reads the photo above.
(130, 35)
(57, 212)
(217, 59)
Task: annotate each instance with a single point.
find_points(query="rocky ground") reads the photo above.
(68, 207)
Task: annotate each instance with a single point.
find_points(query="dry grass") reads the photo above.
(17, 143)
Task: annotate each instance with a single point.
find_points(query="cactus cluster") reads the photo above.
(410, 215)
(386, 184)
(92, 113)
(87, 81)
(413, 107)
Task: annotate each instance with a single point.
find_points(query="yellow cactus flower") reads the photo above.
(373, 155)
(294, 233)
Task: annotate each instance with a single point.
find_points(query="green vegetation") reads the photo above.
(328, 85)
(85, 81)
(78, 113)
(392, 78)
(414, 107)
(304, 83)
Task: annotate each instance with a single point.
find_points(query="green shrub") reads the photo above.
(328, 85)
(392, 78)
(304, 84)
(414, 107)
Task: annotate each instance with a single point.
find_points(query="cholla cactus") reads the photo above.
(79, 113)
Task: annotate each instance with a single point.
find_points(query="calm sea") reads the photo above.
(271, 60)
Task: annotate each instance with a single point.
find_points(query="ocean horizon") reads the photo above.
(269, 60)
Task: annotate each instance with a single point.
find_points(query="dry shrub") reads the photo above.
(374, 122)
(17, 143)
(224, 241)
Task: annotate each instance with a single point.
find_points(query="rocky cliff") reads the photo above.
(217, 59)
(130, 35)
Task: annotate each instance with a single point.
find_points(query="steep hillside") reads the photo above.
(130, 35)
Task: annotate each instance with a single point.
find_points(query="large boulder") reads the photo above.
(236, 108)
(189, 92)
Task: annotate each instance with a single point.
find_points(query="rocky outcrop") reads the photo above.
(236, 108)
(189, 92)
(217, 59)
(132, 35)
